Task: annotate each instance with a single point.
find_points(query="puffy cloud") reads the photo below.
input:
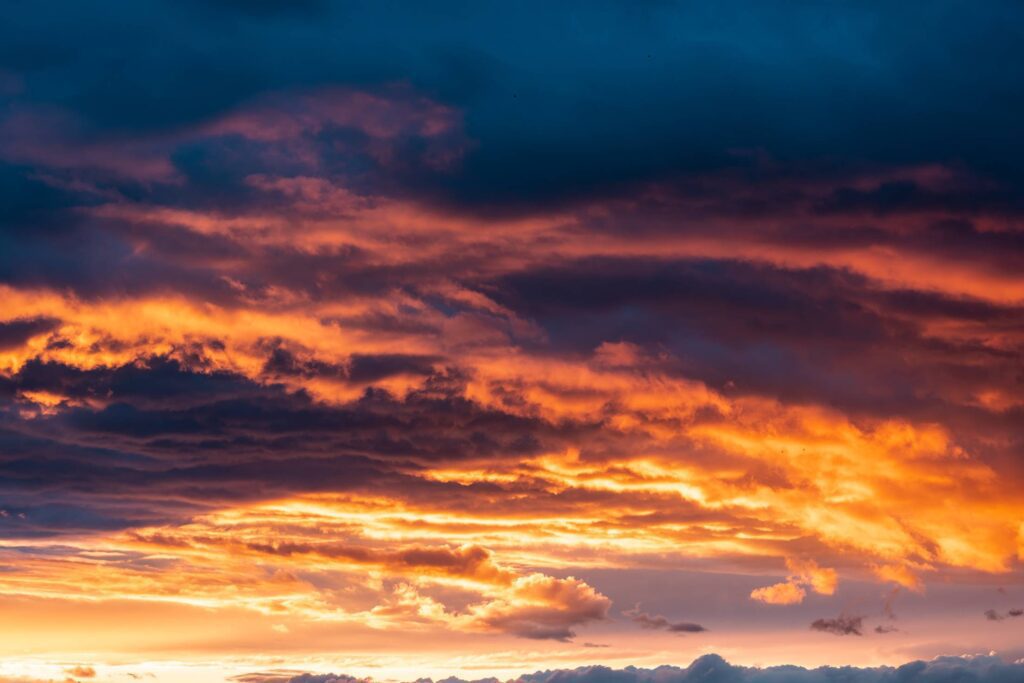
(542, 607)
(785, 593)
(803, 574)
(821, 580)
(713, 669)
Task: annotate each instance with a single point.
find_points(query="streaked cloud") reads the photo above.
(328, 326)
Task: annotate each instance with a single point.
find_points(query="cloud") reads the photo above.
(541, 608)
(301, 678)
(14, 333)
(821, 580)
(658, 622)
(713, 669)
(279, 314)
(803, 574)
(545, 152)
(843, 625)
(993, 615)
(900, 575)
(786, 593)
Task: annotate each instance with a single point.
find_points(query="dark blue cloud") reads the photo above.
(14, 333)
(569, 99)
(714, 669)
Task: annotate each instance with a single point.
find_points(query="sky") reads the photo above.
(577, 342)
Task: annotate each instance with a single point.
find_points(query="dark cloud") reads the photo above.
(14, 333)
(796, 334)
(483, 128)
(658, 622)
(649, 113)
(843, 625)
(162, 438)
(360, 368)
(714, 669)
(301, 678)
(993, 615)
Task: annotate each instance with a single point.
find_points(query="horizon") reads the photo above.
(709, 668)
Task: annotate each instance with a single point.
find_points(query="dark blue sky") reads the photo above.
(563, 99)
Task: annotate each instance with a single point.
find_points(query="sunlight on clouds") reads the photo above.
(803, 574)
(310, 372)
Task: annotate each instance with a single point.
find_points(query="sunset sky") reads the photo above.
(399, 340)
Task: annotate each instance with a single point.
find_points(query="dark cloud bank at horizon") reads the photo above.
(714, 669)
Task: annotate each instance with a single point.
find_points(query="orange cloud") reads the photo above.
(820, 579)
(803, 574)
(785, 593)
(626, 453)
(900, 575)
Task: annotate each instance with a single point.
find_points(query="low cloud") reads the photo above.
(291, 677)
(713, 669)
(658, 622)
(541, 607)
(843, 625)
(993, 615)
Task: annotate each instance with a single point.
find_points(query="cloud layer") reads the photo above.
(714, 669)
(373, 318)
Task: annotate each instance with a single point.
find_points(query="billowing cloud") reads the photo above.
(368, 323)
(542, 607)
(803, 574)
(714, 669)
